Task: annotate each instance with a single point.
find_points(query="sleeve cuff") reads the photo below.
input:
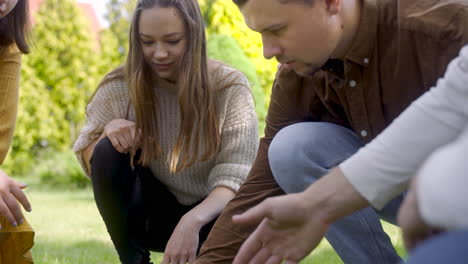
(231, 176)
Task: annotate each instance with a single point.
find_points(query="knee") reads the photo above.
(104, 152)
(308, 150)
(106, 159)
(287, 145)
(297, 144)
(292, 156)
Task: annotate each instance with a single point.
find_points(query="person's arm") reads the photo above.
(238, 146)
(437, 199)
(382, 169)
(99, 113)
(291, 226)
(10, 65)
(10, 191)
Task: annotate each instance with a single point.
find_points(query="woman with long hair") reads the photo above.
(171, 129)
(16, 236)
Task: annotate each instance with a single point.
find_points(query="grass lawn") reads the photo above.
(69, 230)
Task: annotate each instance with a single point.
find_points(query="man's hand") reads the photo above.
(10, 193)
(414, 229)
(289, 231)
(182, 246)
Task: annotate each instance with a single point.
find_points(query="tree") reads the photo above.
(58, 77)
(64, 58)
(236, 58)
(224, 17)
(114, 39)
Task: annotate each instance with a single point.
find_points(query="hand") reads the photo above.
(414, 229)
(289, 231)
(183, 244)
(10, 194)
(121, 133)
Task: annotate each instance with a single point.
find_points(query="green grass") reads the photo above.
(69, 230)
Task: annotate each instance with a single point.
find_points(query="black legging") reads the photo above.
(129, 201)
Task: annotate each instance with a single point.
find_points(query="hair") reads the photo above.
(199, 125)
(15, 27)
(240, 3)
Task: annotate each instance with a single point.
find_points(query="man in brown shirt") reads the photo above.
(356, 64)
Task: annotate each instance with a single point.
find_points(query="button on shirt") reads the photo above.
(389, 65)
(382, 169)
(409, 44)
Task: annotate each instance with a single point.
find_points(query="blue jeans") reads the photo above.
(450, 247)
(299, 155)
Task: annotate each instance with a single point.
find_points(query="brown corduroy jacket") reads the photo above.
(401, 49)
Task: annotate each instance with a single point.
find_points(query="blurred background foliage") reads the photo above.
(65, 67)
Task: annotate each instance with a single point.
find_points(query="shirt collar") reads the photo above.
(363, 44)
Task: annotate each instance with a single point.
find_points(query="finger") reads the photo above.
(290, 262)
(5, 212)
(253, 215)
(14, 207)
(274, 260)
(128, 139)
(123, 142)
(22, 185)
(261, 257)
(192, 259)
(182, 260)
(21, 197)
(116, 144)
(165, 260)
(249, 248)
(132, 133)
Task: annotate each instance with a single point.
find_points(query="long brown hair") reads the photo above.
(15, 27)
(199, 125)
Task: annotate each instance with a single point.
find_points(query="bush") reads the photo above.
(61, 170)
(226, 49)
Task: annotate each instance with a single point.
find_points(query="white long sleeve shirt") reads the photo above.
(429, 139)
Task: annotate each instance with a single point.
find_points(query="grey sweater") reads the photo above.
(238, 131)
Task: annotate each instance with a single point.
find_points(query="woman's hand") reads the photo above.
(121, 133)
(183, 244)
(10, 193)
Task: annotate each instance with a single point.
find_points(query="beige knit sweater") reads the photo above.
(238, 129)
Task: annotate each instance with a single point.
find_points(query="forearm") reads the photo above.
(8, 111)
(333, 197)
(211, 206)
(10, 64)
(382, 169)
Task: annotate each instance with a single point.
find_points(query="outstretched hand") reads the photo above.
(10, 193)
(289, 230)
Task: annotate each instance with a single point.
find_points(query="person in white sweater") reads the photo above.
(170, 129)
(426, 144)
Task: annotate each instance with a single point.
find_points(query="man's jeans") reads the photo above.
(299, 155)
(450, 247)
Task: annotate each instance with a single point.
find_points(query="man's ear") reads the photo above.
(333, 6)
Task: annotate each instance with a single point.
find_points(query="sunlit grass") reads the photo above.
(69, 229)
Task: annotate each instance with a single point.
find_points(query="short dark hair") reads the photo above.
(240, 3)
(15, 27)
